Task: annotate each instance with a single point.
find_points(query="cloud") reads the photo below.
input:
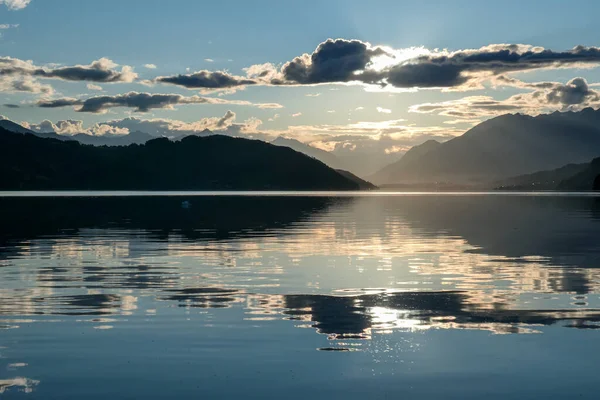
(91, 86)
(155, 127)
(384, 110)
(313, 94)
(11, 84)
(209, 60)
(296, 114)
(15, 4)
(22, 76)
(8, 26)
(174, 128)
(335, 60)
(355, 61)
(273, 118)
(73, 127)
(101, 70)
(576, 94)
(150, 66)
(359, 108)
(206, 80)
(142, 102)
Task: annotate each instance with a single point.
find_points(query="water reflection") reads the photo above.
(345, 267)
(20, 384)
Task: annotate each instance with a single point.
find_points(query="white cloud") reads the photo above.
(209, 60)
(296, 114)
(150, 66)
(15, 4)
(91, 86)
(547, 96)
(384, 110)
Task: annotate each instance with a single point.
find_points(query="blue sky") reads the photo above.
(182, 36)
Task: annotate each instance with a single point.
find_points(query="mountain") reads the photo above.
(505, 146)
(363, 185)
(587, 179)
(10, 126)
(386, 174)
(542, 180)
(321, 155)
(136, 137)
(361, 163)
(194, 163)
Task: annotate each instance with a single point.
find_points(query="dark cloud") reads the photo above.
(98, 71)
(102, 70)
(333, 61)
(575, 92)
(341, 60)
(206, 80)
(455, 69)
(58, 103)
(141, 102)
(12, 106)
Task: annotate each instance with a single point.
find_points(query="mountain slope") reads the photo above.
(363, 185)
(505, 146)
(386, 175)
(587, 179)
(193, 163)
(13, 127)
(321, 155)
(541, 180)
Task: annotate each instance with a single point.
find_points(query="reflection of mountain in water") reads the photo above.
(561, 229)
(208, 218)
(513, 244)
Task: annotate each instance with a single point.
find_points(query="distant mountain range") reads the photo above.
(502, 147)
(321, 155)
(215, 162)
(359, 162)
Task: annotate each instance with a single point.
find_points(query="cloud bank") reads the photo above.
(141, 102)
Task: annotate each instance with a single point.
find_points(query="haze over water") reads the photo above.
(424, 296)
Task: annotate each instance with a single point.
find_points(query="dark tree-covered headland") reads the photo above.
(215, 162)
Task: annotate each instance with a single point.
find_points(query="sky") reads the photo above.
(350, 77)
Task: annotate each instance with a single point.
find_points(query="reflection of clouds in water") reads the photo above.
(474, 263)
(14, 366)
(22, 384)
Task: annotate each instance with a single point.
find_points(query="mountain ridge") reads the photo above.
(503, 147)
(215, 162)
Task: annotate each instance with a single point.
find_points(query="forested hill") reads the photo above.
(193, 163)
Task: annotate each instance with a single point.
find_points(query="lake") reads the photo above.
(354, 296)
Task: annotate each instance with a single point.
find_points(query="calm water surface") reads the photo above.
(463, 296)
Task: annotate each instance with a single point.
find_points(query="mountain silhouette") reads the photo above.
(587, 179)
(13, 127)
(505, 146)
(214, 162)
(324, 156)
(386, 174)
